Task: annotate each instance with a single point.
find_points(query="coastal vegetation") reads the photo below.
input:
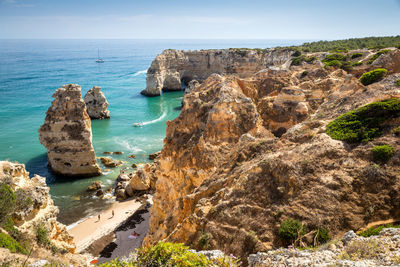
(349, 44)
(375, 230)
(372, 76)
(172, 254)
(382, 153)
(378, 54)
(398, 82)
(365, 123)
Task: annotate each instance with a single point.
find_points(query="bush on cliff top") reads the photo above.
(290, 229)
(364, 123)
(382, 153)
(176, 254)
(372, 76)
(8, 242)
(7, 202)
(398, 82)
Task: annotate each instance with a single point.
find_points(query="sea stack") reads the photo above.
(96, 104)
(67, 135)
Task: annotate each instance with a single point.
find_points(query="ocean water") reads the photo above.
(30, 72)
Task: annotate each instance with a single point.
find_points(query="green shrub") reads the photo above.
(204, 241)
(396, 131)
(358, 63)
(304, 74)
(372, 76)
(334, 63)
(356, 55)
(42, 235)
(8, 242)
(23, 202)
(170, 254)
(290, 229)
(382, 153)
(398, 82)
(374, 57)
(310, 59)
(297, 53)
(375, 230)
(7, 202)
(322, 235)
(364, 123)
(347, 66)
(297, 60)
(117, 263)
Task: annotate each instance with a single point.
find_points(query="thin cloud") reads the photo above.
(15, 3)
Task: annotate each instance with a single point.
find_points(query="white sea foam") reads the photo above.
(72, 225)
(140, 72)
(155, 120)
(126, 144)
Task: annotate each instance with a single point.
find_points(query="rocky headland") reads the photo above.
(33, 220)
(171, 68)
(67, 134)
(251, 151)
(96, 104)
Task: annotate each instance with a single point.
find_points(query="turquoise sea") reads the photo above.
(30, 72)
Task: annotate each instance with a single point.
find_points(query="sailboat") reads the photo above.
(99, 60)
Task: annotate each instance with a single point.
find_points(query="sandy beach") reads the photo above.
(91, 229)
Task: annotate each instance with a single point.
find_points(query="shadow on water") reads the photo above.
(39, 165)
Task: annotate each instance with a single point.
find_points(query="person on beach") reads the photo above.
(98, 217)
(112, 213)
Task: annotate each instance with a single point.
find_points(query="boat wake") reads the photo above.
(155, 120)
(140, 72)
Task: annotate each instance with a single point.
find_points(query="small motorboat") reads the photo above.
(138, 124)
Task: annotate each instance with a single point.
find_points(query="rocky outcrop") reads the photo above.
(67, 134)
(353, 250)
(247, 153)
(40, 210)
(172, 67)
(96, 104)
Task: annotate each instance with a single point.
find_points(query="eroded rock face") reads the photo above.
(40, 211)
(172, 67)
(96, 104)
(246, 154)
(67, 134)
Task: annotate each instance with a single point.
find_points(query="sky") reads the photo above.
(201, 19)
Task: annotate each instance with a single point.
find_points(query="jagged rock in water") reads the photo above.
(67, 134)
(40, 211)
(96, 104)
(172, 67)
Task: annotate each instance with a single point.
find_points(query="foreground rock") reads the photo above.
(172, 67)
(67, 134)
(110, 163)
(41, 209)
(246, 154)
(380, 250)
(96, 104)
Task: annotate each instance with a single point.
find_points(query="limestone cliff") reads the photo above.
(96, 104)
(172, 67)
(40, 211)
(67, 134)
(247, 153)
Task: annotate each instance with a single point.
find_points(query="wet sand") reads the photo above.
(92, 229)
